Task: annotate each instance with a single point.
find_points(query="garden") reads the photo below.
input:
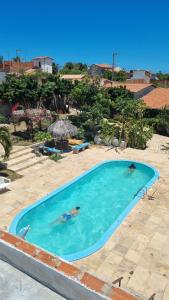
(34, 102)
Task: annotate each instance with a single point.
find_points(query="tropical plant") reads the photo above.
(5, 140)
(41, 136)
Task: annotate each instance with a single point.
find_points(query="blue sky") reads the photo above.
(88, 31)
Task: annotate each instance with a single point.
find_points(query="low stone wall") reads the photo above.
(60, 276)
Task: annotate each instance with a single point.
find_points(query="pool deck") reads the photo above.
(139, 249)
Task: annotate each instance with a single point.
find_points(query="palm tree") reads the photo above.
(5, 140)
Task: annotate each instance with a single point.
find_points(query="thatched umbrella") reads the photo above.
(62, 130)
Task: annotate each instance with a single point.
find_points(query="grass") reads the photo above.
(10, 174)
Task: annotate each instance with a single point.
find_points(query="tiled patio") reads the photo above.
(139, 249)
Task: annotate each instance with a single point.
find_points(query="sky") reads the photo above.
(88, 31)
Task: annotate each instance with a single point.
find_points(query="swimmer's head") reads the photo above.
(77, 208)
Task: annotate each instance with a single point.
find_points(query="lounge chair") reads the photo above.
(80, 147)
(49, 150)
(4, 183)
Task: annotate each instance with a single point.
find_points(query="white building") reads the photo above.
(143, 75)
(44, 63)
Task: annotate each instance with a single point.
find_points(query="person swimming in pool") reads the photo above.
(132, 167)
(67, 215)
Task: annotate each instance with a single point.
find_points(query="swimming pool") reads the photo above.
(105, 194)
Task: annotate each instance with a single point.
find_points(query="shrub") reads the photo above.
(41, 136)
(80, 133)
(55, 157)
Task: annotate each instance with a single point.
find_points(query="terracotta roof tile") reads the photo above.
(104, 66)
(157, 98)
(132, 87)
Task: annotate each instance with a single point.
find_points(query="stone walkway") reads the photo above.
(139, 249)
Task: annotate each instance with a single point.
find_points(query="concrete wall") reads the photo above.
(50, 277)
(140, 74)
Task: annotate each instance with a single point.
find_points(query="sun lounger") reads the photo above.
(49, 150)
(4, 183)
(80, 147)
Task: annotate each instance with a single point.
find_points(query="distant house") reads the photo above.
(43, 63)
(10, 66)
(138, 89)
(140, 76)
(97, 70)
(73, 77)
(157, 98)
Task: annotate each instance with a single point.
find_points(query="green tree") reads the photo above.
(55, 68)
(84, 93)
(5, 140)
(74, 68)
(121, 76)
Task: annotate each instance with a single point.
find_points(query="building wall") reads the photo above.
(46, 64)
(95, 71)
(140, 74)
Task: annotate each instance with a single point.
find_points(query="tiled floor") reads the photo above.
(139, 249)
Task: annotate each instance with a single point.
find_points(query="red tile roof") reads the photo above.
(104, 66)
(132, 87)
(157, 98)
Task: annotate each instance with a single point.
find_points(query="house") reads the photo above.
(97, 70)
(10, 66)
(43, 63)
(73, 77)
(138, 89)
(157, 98)
(140, 76)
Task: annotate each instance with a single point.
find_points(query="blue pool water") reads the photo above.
(105, 195)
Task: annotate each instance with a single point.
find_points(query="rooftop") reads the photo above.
(72, 76)
(104, 66)
(132, 87)
(42, 57)
(157, 98)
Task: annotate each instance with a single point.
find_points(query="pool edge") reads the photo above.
(99, 244)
